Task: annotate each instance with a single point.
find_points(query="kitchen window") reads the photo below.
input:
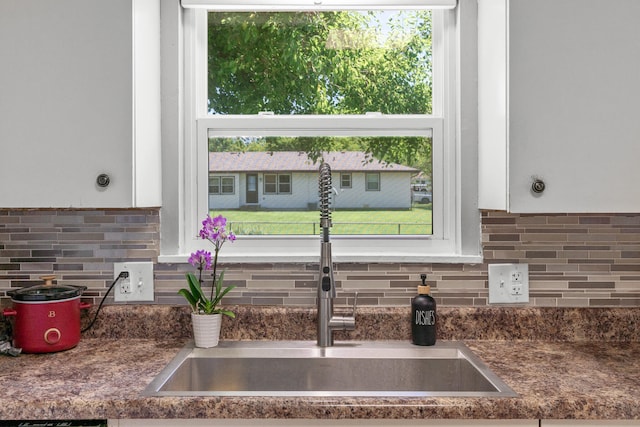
(210, 117)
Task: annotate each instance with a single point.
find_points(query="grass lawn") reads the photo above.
(418, 220)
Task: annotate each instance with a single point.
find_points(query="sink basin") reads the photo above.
(354, 368)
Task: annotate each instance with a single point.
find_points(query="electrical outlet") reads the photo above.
(138, 286)
(508, 283)
(125, 284)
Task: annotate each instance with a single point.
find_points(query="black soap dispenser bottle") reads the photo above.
(423, 315)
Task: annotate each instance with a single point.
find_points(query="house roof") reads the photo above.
(294, 161)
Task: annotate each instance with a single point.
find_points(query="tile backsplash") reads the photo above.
(575, 260)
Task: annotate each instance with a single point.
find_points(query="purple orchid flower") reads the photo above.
(201, 259)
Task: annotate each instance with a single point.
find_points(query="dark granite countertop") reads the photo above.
(104, 376)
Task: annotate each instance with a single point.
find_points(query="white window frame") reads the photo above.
(367, 182)
(265, 177)
(277, 184)
(214, 179)
(456, 238)
(348, 178)
(221, 186)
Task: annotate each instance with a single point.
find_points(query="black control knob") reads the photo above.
(326, 283)
(538, 186)
(103, 180)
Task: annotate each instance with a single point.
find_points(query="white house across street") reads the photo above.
(289, 180)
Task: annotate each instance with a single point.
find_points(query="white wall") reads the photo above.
(395, 192)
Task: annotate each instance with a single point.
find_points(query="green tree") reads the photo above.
(323, 63)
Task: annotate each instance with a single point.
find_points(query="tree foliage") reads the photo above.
(323, 63)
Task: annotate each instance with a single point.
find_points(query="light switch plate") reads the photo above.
(508, 283)
(138, 286)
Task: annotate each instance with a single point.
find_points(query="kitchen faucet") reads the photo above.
(327, 321)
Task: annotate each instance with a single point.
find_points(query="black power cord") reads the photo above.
(122, 275)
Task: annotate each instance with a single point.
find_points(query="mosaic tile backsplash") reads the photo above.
(575, 260)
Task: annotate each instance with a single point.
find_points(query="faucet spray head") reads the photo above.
(324, 187)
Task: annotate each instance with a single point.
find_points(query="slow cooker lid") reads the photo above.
(46, 292)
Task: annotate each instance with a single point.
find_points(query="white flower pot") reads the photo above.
(206, 329)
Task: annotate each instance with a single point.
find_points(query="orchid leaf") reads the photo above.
(194, 285)
(222, 294)
(228, 313)
(193, 302)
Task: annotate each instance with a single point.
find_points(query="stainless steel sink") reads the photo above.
(354, 368)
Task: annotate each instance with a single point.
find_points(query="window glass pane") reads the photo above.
(284, 184)
(252, 182)
(270, 185)
(348, 62)
(373, 181)
(378, 199)
(345, 180)
(214, 185)
(228, 185)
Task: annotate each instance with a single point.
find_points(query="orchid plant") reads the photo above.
(215, 231)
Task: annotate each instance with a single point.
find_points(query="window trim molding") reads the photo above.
(313, 5)
(180, 200)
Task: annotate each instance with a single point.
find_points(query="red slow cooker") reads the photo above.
(47, 317)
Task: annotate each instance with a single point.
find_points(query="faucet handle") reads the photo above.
(344, 323)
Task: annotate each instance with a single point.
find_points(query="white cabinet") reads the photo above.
(80, 96)
(558, 100)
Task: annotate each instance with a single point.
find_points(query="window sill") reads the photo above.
(358, 249)
(303, 258)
